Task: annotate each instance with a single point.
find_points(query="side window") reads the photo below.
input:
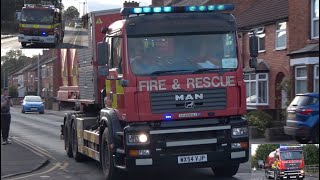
(116, 52)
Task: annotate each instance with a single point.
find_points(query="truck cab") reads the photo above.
(286, 162)
(172, 96)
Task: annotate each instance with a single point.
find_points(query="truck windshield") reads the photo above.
(37, 16)
(183, 53)
(291, 155)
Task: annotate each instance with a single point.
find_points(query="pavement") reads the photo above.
(4, 36)
(17, 159)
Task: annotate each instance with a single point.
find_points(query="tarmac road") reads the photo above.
(74, 38)
(40, 133)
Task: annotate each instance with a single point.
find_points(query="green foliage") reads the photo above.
(311, 154)
(264, 150)
(13, 91)
(254, 161)
(259, 119)
(71, 13)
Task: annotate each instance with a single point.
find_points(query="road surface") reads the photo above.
(41, 131)
(74, 38)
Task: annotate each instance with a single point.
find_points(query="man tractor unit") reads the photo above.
(40, 24)
(286, 162)
(150, 98)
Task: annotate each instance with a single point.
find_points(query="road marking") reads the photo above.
(34, 148)
(57, 165)
(64, 166)
(75, 39)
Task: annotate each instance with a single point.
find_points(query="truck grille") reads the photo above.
(165, 102)
(33, 33)
(292, 165)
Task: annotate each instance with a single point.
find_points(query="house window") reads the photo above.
(281, 35)
(301, 79)
(315, 19)
(316, 79)
(257, 88)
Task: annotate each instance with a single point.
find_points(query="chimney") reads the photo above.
(130, 4)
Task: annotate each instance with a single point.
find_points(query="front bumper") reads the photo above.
(36, 39)
(291, 175)
(33, 108)
(170, 141)
(301, 131)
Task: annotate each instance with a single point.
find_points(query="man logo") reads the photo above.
(189, 104)
(188, 97)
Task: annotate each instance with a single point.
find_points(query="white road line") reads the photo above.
(75, 39)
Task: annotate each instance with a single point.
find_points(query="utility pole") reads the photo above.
(38, 90)
(4, 77)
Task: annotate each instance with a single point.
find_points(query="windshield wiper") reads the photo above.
(169, 71)
(213, 70)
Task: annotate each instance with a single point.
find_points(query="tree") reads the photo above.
(311, 154)
(12, 61)
(71, 13)
(264, 150)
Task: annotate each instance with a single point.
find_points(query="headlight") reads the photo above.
(243, 131)
(138, 138)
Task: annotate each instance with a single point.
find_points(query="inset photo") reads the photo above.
(44, 24)
(285, 161)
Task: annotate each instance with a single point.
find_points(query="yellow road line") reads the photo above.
(34, 148)
(57, 165)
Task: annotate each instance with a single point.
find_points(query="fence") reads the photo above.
(312, 168)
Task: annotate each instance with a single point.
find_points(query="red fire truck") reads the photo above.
(286, 162)
(70, 60)
(152, 99)
(40, 24)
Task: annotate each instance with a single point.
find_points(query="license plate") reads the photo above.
(34, 108)
(192, 159)
(293, 177)
(291, 115)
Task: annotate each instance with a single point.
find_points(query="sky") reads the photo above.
(97, 5)
(26, 52)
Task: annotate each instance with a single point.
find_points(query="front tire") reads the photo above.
(110, 172)
(225, 171)
(23, 44)
(67, 141)
(303, 140)
(315, 135)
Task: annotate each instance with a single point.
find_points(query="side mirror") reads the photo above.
(18, 15)
(103, 53)
(104, 30)
(103, 70)
(253, 63)
(253, 43)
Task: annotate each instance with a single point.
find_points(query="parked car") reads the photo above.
(78, 25)
(303, 118)
(32, 104)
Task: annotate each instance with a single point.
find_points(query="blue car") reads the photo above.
(32, 104)
(303, 118)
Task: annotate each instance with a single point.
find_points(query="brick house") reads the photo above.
(304, 46)
(280, 55)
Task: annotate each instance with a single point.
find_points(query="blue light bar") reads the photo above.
(167, 116)
(177, 9)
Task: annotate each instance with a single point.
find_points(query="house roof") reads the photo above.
(310, 48)
(263, 12)
(21, 70)
(191, 2)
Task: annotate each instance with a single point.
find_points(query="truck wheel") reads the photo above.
(302, 140)
(225, 171)
(23, 44)
(109, 171)
(67, 141)
(76, 155)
